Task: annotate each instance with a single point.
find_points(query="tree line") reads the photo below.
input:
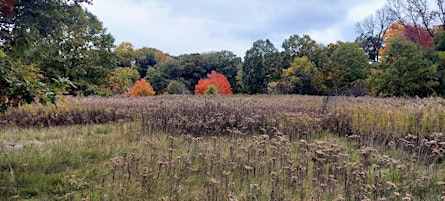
(56, 47)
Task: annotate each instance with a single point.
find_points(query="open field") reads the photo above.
(224, 148)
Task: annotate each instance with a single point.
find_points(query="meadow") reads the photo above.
(224, 148)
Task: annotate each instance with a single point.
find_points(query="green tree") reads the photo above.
(348, 63)
(62, 40)
(122, 78)
(163, 74)
(55, 41)
(223, 62)
(301, 77)
(297, 46)
(159, 79)
(193, 69)
(176, 87)
(406, 71)
(22, 84)
(145, 58)
(439, 46)
(259, 62)
(126, 54)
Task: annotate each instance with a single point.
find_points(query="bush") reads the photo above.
(217, 80)
(212, 90)
(176, 87)
(142, 88)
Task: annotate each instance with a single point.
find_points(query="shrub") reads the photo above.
(212, 90)
(176, 87)
(142, 88)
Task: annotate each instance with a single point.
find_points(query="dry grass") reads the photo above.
(226, 148)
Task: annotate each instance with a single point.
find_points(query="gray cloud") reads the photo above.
(179, 27)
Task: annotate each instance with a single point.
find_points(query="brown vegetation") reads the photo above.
(223, 148)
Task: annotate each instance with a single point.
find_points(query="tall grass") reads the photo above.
(224, 148)
(112, 162)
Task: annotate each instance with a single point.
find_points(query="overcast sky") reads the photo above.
(195, 26)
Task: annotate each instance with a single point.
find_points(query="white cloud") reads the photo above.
(180, 27)
(326, 36)
(364, 10)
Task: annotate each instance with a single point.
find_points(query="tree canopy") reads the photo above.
(56, 47)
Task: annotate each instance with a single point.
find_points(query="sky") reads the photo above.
(196, 26)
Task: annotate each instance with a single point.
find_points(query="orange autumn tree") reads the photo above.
(415, 34)
(395, 30)
(142, 88)
(215, 79)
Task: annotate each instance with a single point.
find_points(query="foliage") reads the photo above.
(213, 79)
(61, 39)
(424, 14)
(161, 76)
(193, 69)
(405, 71)
(144, 59)
(259, 61)
(176, 87)
(348, 64)
(211, 90)
(21, 83)
(395, 30)
(419, 36)
(224, 62)
(142, 88)
(125, 54)
(296, 46)
(439, 41)
(439, 57)
(122, 78)
(301, 77)
(410, 32)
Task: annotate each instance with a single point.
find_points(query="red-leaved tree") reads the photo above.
(142, 88)
(419, 35)
(216, 79)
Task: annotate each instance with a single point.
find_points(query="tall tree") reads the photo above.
(412, 33)
(297, 46)
(406, 71)
(63, 40)
(372, 32)
(122, 78)
(144, 59)
(125, 54)
(419, 13)
(224, 62)
(259, 61)
(60, 40)
(348, 64)
(193, 69)
(301, 77)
